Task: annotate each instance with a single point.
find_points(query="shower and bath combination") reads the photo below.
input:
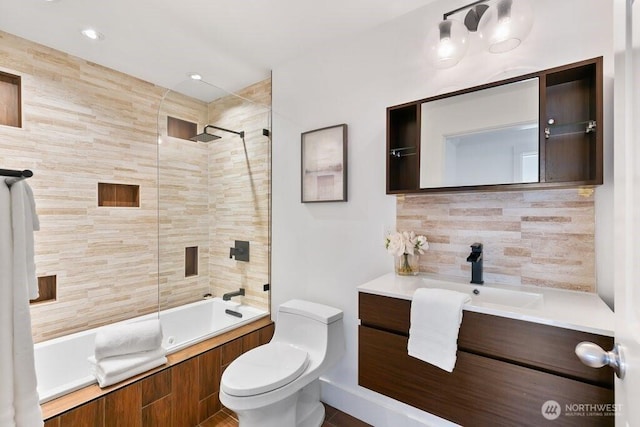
(208, 137)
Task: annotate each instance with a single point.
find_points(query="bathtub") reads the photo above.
(62, 366)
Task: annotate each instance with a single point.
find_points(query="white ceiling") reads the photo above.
(231, 43)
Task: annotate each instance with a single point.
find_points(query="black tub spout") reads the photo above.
(229, 295)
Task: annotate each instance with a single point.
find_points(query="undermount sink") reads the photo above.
(488, 296)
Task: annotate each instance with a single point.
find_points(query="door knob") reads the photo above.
(594, 356)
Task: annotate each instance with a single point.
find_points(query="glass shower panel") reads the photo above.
(214, 188)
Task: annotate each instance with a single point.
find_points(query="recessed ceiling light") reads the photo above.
(195, 76)
(92, 34)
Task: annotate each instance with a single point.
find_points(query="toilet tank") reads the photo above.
(308, 325)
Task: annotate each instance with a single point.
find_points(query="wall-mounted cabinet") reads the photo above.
(403, 124)
(571, 133)
(538, 130)
(506, 369)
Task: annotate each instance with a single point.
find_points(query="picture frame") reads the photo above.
(324, 165)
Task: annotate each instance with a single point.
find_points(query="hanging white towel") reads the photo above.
(19, 402)
(133, 337)
(6, 310)
(436, 315)
(25, 222)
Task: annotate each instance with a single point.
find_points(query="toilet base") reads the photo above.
(310, 411)
(302, 409)
(279, 414)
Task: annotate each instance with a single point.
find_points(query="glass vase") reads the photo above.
(407, 265)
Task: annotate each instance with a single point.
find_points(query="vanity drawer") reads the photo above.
(389, 314)
(543, 347)
(479, 391)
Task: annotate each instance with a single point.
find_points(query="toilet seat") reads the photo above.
(263, 369)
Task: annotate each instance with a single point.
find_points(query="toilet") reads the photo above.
(277, 384)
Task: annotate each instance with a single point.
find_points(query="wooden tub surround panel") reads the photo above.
(505, 370)
(183, 393)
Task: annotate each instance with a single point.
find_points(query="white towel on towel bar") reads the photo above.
(24, 222)
(114, 369)
(19, 402)
(436, 315)
(134, 337)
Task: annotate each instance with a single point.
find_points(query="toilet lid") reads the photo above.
(263, 369)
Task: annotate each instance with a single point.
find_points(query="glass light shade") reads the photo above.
(505, 25)
(447, 43)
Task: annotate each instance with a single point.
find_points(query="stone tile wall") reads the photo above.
(84, 124)
(543, 238)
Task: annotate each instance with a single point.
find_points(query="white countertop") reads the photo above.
(580, 311)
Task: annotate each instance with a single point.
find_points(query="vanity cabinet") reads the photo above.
(506, 369)
(570, 136)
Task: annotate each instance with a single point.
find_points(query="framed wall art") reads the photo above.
(324, 165)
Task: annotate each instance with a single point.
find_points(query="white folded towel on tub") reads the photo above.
(127, 338)
(111, 370)
(436, 315)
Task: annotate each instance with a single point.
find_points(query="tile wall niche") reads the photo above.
(544, 238)
(84, 124)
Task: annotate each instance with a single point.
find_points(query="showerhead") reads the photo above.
(208, 137)
(204, 137)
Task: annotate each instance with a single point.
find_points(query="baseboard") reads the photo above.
(376, 409)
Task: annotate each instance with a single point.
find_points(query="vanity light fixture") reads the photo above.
(500, 24)
(505, 26)
(448, 43)
(92, 34)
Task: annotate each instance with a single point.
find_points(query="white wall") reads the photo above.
(322, 252)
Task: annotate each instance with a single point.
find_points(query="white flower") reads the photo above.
(405, 243)
(421, 244)
(394, 244)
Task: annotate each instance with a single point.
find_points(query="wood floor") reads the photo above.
(333, 418)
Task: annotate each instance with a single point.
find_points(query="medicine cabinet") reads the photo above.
(540, 130)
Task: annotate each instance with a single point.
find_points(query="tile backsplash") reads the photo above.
(544, 238)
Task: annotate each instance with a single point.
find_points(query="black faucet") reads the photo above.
(475, 258)
(228, 295)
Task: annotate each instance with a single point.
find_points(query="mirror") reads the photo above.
(498, 126)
